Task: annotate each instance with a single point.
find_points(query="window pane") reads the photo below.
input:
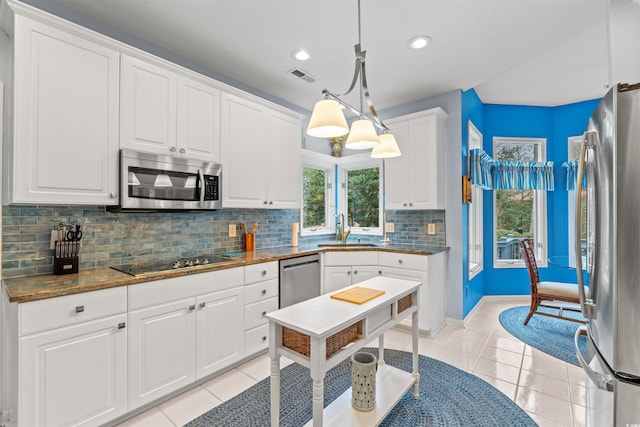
(314, 198)
(363, 197)
(516, 152)
(515, 220)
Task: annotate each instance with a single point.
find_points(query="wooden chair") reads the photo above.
(557, 292)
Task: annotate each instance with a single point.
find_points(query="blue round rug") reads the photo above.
(548, 334)
(448, 397)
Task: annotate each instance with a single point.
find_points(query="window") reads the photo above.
(475, 218)
(519, 213)
(361, 194)
(574, 144)
(318, 207)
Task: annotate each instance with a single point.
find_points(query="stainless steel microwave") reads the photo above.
(151, 182)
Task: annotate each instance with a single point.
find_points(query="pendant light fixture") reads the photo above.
(327, 119)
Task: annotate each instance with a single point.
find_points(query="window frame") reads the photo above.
(540, 210)
(572, 141)
(314, 160)
(356, 162)
(475, 217)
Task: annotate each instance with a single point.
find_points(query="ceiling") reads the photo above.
(523, 52)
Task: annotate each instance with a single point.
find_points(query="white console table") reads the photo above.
(320, 318)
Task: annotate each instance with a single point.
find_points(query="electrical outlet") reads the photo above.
(390, 227)
(232, 230)
(431, 229)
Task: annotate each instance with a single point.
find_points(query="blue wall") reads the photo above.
(555, 124)
(472, 110)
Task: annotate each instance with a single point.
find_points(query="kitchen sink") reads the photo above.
(347, 245)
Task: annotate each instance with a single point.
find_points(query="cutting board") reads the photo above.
(357, 295)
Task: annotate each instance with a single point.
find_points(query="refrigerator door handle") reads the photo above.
(602, 381)
(586, 305)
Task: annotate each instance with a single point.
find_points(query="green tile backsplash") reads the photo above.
(121, 238)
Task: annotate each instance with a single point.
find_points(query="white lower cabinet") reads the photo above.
(347, 268)
(219, 334)
(71, 358)
(74, 375)
(161, 350)
(183, 329)
(261, 297)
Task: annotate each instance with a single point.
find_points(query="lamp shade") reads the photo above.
(388, 147)
(327, 120)
(362, 136)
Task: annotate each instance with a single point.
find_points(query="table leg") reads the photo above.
(318, 371)
(274, 332)
(414, 344)
(381, 350)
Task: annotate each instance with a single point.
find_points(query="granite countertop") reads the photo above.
(31, 288)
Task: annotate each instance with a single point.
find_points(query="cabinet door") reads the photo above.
(75, 375)
(243, 153)
(148, 107)
(397, 169)
(336, 278)
(65, 147)
(360, 273)
(219, 330)
(283, 162)
(198, 123)
(161, 350)
(426, 189)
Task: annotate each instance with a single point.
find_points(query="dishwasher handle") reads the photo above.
(298, 266)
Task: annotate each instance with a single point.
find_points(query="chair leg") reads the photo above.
(534, 306)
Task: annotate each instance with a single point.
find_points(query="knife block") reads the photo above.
(65, 265)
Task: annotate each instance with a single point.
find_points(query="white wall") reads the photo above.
(624, 39)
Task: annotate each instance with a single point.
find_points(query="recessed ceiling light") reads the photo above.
(419, 42)
(300, 54)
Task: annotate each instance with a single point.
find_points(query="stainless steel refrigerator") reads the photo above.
(610, 161)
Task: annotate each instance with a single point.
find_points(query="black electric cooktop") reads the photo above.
(139, 268)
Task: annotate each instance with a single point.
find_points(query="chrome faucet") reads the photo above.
(342, 234)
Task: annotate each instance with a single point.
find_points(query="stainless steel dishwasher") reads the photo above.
(299, 279)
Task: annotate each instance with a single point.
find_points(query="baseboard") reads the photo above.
(525, 299)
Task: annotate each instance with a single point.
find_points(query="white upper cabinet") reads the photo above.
(64, 147)
(165, 112)
(415, 180)
(260, 150)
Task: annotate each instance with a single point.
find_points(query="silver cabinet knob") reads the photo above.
(355, 272)
(271, 202)
(182, 151)
(264, 292)
(122, 325)
(264, 203)
(404, 204)
(399, 261)
(264, 338)
(348, 273)
(80, 309)
(264, 313)
(410, 204)
(264, 272)
(203, 305)
(113, 195)
(192, 307)
(172, 149)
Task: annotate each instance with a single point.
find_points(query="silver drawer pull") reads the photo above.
(264, 313)
(399, 261)
(122, 325)
(264, 338)
(355, 272)
(80, 309)
(264, 292)
(264, 272)
(203, 305)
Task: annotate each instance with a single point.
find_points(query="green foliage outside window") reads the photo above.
(364, 197)
(314, 211)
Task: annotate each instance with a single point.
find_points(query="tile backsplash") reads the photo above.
(121, 238)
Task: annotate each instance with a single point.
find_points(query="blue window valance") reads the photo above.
(572, 175)
(492, 174)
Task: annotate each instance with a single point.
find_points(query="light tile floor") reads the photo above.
(551, 391)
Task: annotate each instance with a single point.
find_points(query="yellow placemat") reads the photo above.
(357, 295)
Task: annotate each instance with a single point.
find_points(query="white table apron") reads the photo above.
(320, 318)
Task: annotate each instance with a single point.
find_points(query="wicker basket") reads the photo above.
(301, 343)
(404, 303)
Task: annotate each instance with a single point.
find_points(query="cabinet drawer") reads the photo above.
(53, 313)
(256, 339)
(261, 291)
(254, 314)
(258, 272)
(351, 258)
(409, 261)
